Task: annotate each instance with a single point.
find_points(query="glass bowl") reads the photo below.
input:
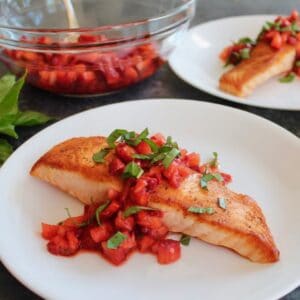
(90, 47)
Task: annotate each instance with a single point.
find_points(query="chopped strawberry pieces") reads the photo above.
(49, 231)
(101, 233)
(167, 251)
(90, 72)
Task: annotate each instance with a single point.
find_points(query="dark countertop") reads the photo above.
(163, 84)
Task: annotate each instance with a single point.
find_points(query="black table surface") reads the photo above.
(164, 84)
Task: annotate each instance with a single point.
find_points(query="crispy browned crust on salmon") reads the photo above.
(241, 227)
(70, 167)
(263, 64)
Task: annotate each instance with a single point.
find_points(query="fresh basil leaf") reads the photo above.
(295, 27)
(114, 136)
(116, 240)
(170, 143)
(68, 212)
(158, 157)
(245, 40)
(222, 203)
(135, 209)
(143, 156)
(297, 63)
(201, 210)
(6, 127)
(31, 118)
(208, 177)
(288, 78)
(6, 83)
(245, 53)
(185, 240)
(214, 162)
(100, 209)
(5, 150)
(140, 137)
(170, 156)
(9, 104)
(132, 169)
(152, 145)
(98, 157)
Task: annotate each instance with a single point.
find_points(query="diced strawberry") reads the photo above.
(130, 75)
(168, 251)
(292, 40)
(112, 208)
(101, 233)
(227, 178)
(113, 194)
(294, 15)
(64, 246)
(139, 192)
(115, 256)
(74, 221)
(276, 42)
(125, 152)
(158, 139)
(143, 148)
(172, 174)
(116, 166)
(123, 223)
(145, 243)
(129, 243)
(49, 231)
(145, 219)
(87, 38)
(192, 160)
(158, 233)
(86, 241)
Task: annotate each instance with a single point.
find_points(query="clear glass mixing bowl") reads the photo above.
(90, 47)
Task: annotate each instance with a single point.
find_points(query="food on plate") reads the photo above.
(276, 51)
(136, 189)
(91, 72)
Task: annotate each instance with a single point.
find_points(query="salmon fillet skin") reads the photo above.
(263, 64)
(241, 226)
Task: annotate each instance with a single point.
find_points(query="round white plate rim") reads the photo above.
(31, 285)
(216, 92)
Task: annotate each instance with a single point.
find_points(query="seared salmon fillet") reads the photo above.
(241, 227)
(263, 64)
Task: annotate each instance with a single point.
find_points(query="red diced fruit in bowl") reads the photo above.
(85, 72)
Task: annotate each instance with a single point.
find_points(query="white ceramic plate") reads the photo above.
(262, 157)
(197, 62)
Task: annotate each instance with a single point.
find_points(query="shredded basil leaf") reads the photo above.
(100, 209)
(132, 169)
(170, 156)
(152, 145)
(185, 240)
(208, 177)
(98, 157)
(288, 78)
(143, 156)
(245, 53)
(114, 136)
(68, 212)
(245, 40)
(222, 203)
(135, 209)
(158, 157)
(116, 240)
(201, 210)
(214, 162)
